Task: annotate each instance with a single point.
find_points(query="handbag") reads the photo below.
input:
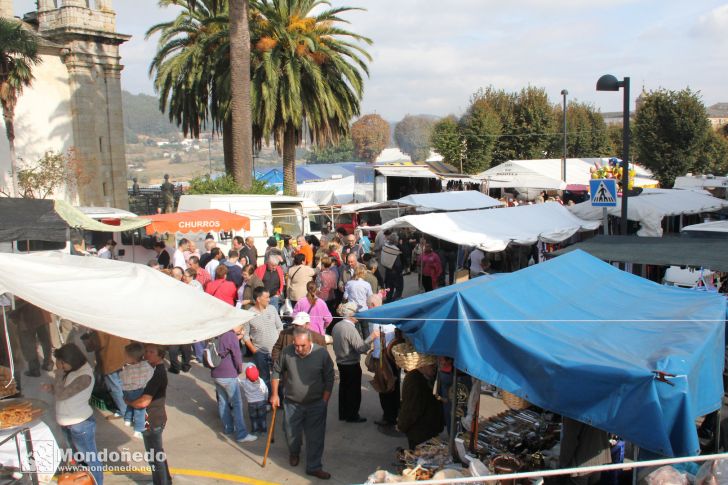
(389, 256)
(384, 379)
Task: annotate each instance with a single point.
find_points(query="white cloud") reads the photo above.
(714, 24)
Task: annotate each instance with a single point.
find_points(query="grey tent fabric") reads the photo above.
(31, 219)
(709, 253)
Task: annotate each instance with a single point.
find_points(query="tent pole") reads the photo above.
(453, 407)
(635, 455)
(716, 433)
(10, 350)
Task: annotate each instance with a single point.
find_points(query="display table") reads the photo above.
(45, 451)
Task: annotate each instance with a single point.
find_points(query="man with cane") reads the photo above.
(304, 405)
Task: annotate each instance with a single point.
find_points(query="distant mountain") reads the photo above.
(142, 117)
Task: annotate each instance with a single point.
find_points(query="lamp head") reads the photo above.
(564, 92)
(608, 83)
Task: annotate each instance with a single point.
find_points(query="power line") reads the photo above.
(521, 135)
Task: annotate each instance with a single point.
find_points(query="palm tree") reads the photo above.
(240, 117)
(18, 54)
(191, 68)
(306, 70)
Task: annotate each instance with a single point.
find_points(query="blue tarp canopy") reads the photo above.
(584, 339)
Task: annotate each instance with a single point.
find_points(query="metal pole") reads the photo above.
(564, 92)
(605, 221)
(453, 406)
(625, 154)
(716, 434)
(635, 457)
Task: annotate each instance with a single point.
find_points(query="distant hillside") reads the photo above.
(142, 117)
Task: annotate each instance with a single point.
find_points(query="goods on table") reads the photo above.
(516, 439)
(17, 413)
(7, 383)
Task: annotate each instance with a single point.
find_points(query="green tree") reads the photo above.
(504, 105)
(370, 135)
(447, 141)
(305, 67)
(412, 135)
(480, 128)
(670, 133)
(614, 137)
(18, 55)
(342, 151)
(586, 132)
(533, 124)
(227, 185)
(713, 158)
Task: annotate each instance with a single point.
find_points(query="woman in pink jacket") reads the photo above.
(431, 268)
(316, 308)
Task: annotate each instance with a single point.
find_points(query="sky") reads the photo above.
(430, 56)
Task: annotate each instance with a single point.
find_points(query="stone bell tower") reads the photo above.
(87, 31)
(6, 8)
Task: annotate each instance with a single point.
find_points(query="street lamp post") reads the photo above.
(564, 92)
(611, 83)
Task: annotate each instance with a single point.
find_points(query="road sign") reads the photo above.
(603, 192)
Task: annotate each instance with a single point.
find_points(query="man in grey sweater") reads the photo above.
(348, 347)
(308, 377)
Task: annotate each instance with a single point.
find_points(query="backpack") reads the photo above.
(210, 356)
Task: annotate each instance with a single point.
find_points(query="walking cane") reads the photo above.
(270, 435)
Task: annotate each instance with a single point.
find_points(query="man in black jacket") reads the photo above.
(420, 415)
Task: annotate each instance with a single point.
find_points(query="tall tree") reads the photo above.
(587, 132)
(670, 133)
(341, 151)
(447, 140)
(412, 135)
(713, 158)
(240, 114)
(480, 128)
(504, 105)
(306, 72)
(370, 135)
(18, 55)
(533, 124)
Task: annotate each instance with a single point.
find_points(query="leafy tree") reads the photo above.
(723, 131)
(305, 66)
(226, 185)
(343, 151)
(50, 173)
(671, 131)
(504, 105)
(480, 128)
(412, 135)
(614, 137)
(533, 122)
(586, 132)
(18, 55)
(370, 135)
(713, 158)
(447, 140)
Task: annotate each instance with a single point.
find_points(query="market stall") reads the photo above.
(199, 221)
(449, 201)
(66, 286)
(652, 205)
(494, 230)
(582, 339)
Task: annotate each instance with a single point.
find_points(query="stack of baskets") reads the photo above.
(409, 359)
(514, 402)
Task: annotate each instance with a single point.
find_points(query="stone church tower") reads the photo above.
(75, 99)
(87, 31)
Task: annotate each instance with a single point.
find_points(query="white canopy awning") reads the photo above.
(652, 205)
(711, 226)
(328, 192)
(411, 171)
(124, 299)
(493, 230)
(450, 201)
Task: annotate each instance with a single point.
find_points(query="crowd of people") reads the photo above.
(318, 285)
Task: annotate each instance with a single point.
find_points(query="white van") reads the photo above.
(686, 277)
(268, 214)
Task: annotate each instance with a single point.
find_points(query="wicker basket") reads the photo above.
(513, 401)
(8, 386)
(408, 358)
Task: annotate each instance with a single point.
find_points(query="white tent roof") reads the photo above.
(396, 155)
(493, 230)
(700, 182)
(328, 192)
(450, 201)
(652, 205)
(546, 173)
(124, 299)
(712, 226)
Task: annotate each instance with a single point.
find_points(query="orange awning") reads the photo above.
(206, 220)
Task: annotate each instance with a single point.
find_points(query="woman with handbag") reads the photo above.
(72, 386)
(298, 277)
(316, 307)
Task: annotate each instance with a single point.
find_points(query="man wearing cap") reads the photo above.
(420, 415)
(285, 338)
(308, 377)
(348, 347)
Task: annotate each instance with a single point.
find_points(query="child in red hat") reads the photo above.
(256, 394)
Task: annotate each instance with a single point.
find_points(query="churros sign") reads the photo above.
(206, 225)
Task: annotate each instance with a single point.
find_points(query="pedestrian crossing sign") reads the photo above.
(603, 192)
